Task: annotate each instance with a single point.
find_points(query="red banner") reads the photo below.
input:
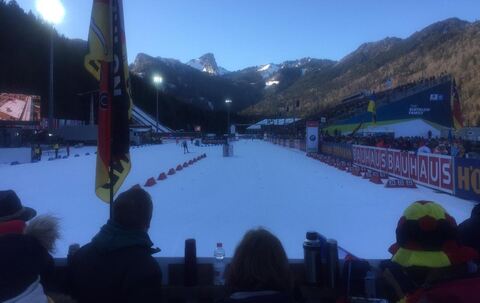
(435, 171)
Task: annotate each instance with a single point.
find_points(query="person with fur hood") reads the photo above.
(25, 261)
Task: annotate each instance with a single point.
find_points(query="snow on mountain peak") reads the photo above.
(268, 70)
(263, 68)
(207, 64)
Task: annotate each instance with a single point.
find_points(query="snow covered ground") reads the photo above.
(218, 199)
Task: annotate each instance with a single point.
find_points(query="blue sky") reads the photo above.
(243, 33)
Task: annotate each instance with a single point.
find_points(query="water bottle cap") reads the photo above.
(332, 241)
(219, 244)
(312, 235)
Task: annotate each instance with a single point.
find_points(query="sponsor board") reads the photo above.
(467, 178)
(312, 136)
(340, 150)
(434, 171)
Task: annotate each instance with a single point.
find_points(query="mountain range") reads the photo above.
(450, 46)
(310, 85)
(203, 83)
(194, 92)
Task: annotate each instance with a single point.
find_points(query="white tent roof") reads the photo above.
(276, 122)
(411, 128)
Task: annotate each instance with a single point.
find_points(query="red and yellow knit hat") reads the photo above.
(427, 237)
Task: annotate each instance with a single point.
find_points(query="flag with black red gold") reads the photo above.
(457, 109)
(107, 62)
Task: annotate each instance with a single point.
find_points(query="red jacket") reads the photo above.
(458, 291)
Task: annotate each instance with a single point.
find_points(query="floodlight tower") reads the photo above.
(53, 12)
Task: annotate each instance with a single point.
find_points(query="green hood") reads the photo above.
(113, 237)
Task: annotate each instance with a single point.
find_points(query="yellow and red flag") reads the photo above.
(107, 62)
(372, 108)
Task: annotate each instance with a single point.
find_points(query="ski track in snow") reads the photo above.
(218, 199)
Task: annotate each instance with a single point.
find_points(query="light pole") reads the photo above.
(228, 102)
(52, 11)
(157, 80)
(91, 93)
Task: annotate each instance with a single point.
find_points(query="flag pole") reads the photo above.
(110, 88)
(110, 176)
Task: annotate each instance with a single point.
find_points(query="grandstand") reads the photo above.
(141, 118)
(415, 108)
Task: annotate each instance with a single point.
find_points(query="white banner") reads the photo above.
(312, 136)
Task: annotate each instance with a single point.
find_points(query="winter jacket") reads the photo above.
(116, 266)
(469, 232)
(458, 291)
(33, 294)
(426, 285)
(266, 296)
(22, 260)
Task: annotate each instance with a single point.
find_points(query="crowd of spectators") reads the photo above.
(454, 147)
(433, 260)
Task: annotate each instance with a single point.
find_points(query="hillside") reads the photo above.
(451, 46)
(194, 91)
(190, 85)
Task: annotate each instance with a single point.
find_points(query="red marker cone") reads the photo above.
(376, 179)
(162, 177)
(179, 167)
(171, 172)
(150, 182)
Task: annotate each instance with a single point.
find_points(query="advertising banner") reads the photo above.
(312, 136)
(467, 181)
(432, 104)
(340, 150)
(434, 171)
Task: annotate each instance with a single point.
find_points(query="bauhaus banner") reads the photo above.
(434, 171)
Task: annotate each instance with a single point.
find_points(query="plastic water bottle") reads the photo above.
(219, 265)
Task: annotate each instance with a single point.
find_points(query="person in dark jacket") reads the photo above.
(469, 230)
(25, 262)
(117, 265)
(259, 271)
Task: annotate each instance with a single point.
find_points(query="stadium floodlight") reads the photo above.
(52, 11)
(157, 80)
(228, 102)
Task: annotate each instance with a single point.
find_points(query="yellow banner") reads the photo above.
(99, 38)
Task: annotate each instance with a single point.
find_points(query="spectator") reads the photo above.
(259, 271)
(428, 264)
(469, 230)
(441, 149)
(117, 266)
(424, 148)
(454, 150)
(55, 148)
(25, 263)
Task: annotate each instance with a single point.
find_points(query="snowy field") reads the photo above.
(218, 199)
